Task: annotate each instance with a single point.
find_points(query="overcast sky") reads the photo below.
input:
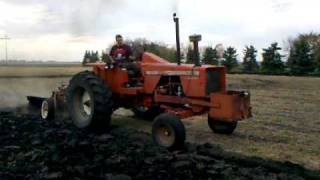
(64, 29)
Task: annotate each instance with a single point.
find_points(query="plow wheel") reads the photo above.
(89, 102)
(168, 131)
(222, 127)
(47, 109)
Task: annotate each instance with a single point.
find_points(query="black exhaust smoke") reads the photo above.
(176, 21)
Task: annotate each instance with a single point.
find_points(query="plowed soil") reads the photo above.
(34, 149)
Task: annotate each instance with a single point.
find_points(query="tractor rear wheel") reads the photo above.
(168, 131)
(47, 109)
(89, 102)
(222, 127)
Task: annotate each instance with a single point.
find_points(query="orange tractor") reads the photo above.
(167, 93)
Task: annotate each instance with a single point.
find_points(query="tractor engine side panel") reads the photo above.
(192, 78)
(204, 82)
(194, 85)
(196, 82)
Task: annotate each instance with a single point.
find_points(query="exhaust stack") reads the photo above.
(195, 40)
(176, 21)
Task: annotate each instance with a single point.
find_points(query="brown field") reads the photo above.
(285, 126)
(34, 71)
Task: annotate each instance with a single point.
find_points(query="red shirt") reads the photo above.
(122, 52)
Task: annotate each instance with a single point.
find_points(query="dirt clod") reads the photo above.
(35, 149)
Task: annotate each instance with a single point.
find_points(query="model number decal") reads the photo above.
(173, 73)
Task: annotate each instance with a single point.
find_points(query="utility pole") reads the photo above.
(6, 38)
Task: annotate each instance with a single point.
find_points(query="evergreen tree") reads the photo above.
(271, 62)
(97, 56)
(301, 57)
(210, 56)
(141, 45)
(91, 57)
(189, 55)
(104, 57)
(230, 58)
(85, 57)
(313, 41)
(249, 60)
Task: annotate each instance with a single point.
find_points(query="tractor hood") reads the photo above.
(154, 62)
(152, 58)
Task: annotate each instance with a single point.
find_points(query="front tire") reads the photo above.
(168, 131)
(89, 102)
(222, 127)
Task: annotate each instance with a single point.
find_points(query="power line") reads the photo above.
(6, 38)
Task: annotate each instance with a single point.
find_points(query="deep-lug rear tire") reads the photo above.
(168, 131)
(89, 102)
(222, 127)
(47, 110)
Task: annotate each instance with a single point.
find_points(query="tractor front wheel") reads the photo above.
(89, 102)
(222, 127)
(168, 131)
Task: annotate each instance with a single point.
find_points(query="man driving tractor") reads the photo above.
(122, 56)
(120, 52)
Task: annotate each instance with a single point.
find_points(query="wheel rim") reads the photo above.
(86, 103)
(83, 108)
(165, 136)
(44, 109)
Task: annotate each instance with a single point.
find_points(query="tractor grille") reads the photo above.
(213, 81)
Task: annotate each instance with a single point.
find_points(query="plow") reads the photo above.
(167, 93)
(51, 107)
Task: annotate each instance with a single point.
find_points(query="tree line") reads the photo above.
(138, 46)
(303, 56)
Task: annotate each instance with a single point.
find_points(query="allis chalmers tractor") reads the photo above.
(167, 93)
